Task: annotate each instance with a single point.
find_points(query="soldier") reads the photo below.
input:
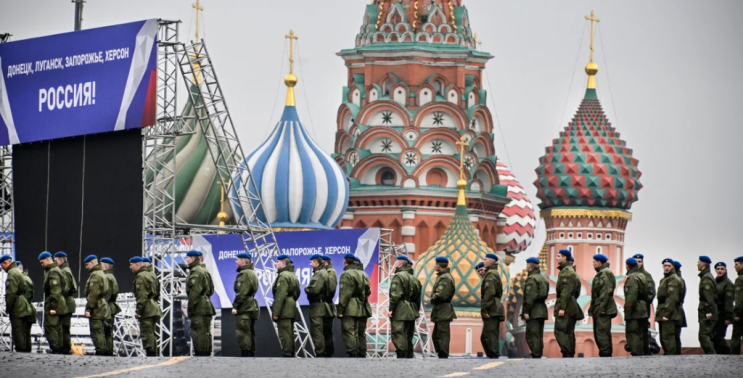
(707, 312)
(738, 309)
(725, 292)
(147, 295)
(651, 296)
(491, 308)
(682, 323)
(245, 307)
(107, 264)
(70, 292)
(366, 285)
(199, 288)
(328, 322)
(29, 294)
(669, 312)
(54, 303)
(352, 307)
(534, 310)
(635, 307)
(402, 310)
(603, 307)
(566, 304)
(415, 300)
(96, 309)
(284, 309)
(19, 310)
(480, 268)
(317, 294)
(443, 311)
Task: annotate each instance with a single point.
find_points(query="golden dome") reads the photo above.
(290, 80)
(592, 68)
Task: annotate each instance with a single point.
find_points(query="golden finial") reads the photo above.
(198, 8)
(462, 183)
(477, 41)
(222, 215)
(290, 79)
(592, 68)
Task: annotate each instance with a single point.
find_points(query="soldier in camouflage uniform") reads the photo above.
(200, 288)
(97, 311)
(707, 312)
(19, 310)
(286, 291)
(318, 292)
(353, 306)
(566, 305)
(669, 312)
(245, 307)
(651, 296)
(107, 264)
(327, 326)
(491, 308)
(682, 323)
(54, 303)
(442, 313)
(29, 294)
(403, 310)
(735, 342)
(603, 306)
(70, 292)
(147, 295)
(725, 293)
(534, 310)
(635, 307)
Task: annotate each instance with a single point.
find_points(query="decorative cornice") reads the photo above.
(589, 213)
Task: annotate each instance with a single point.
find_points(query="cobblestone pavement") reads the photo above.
(35, 365)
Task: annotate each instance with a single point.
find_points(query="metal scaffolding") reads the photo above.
(7, 230)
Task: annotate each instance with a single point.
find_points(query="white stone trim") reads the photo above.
(407, 231)
(409, 247)
(348, 216)
(408, 214)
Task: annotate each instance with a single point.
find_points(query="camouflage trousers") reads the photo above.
(668, 331)
(201, 335)
(354, 335)
(737, 336)
(21, 332)
(246, 334)
(327, 326)
(402, 337)
(286, 337)
(490, 337)
(706, 331)
(565, 335)
(721, 345)
(98, 335)
(53, 333)
(535, 336)
(148, 337)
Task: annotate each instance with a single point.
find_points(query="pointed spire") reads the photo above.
(462, 183)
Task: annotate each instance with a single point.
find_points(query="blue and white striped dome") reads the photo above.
(300, 185)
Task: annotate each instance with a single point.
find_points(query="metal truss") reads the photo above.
(378, 331)
(7, 229)
(126, 328)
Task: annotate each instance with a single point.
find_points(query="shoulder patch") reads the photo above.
(54, 282)
(670, 288)
(737, 288)
(706, 287)
(730, 293)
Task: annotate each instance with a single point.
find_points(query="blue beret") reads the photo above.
(739, 259)
(18, 262)
(194, 253)
(631, 261)
(480, 265)
(668, 261)
(721, 264)
(291, 261)
(60, 254)
(639, 256)
(135, 259)
(146, 260)
(566, 253)
(532, 260)
(107, 260)
(349, 256)
(44, 255)
(282, 257)
(442, 260)
(90, 258)
(492, 256)
(244, 255)
(405, 258)
(705, 259)
(603, 258)
(326, 258)
(677, 264)
(356, 258)
(5, 257)
(316, 256)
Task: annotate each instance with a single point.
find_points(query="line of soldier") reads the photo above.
(720, 305)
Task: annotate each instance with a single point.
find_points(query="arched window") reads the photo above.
(438, 87)
(599, 251)
(570, 248)
(388, 177)
(387, 87)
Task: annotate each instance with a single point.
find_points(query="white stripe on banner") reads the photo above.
(142, 51)
(5, 113)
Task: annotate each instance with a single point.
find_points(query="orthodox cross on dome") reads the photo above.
(478, 42)
(462, 143)
(198, 8)
(290, 79)
(592, 19)
(592, 68)
(291, 37)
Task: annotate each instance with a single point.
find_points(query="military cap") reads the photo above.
(705, 259)
(480, 265)
(194, 253)
(739, 259)
(404, 258)
(639, 256)
(146, 260)
(668, 261)
(135, 259)
(603, 258)
(492, 256)
(326, 258)
(532, 260)
(282, 257)
(566, 253)
(677, 264)
(349, 256)
(631, 261)
(18, 262)
(316, 256)
(356, 258)
(90, 258)
(442, 260)
(107, 260)
(722, 264)
(44, 255)
(244, 255)
(5, 257)
(60, 254)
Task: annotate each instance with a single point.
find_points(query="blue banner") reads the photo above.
(84, 82)
(220, 251)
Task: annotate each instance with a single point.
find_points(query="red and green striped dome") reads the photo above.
(588, 165)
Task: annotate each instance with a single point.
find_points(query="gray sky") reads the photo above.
(673, 67)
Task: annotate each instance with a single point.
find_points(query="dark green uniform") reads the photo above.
(442, 313)
(318, 293)
(491, 311)
(30, 298)
(54, 299)
(536, 291)
(568, 290)
(285, 294)
(246, 285)
(66, 318)
(415, 300)
(603, 308)
(651, 298)
(97, 292)
(327, 324)
(707, 305)
(199, 288)
(737, 313)
(353, 305)
(635, 310)
(19, 309)
(682, 323)
(113, 286)
(725, 292)
(147, 294)
(404, 311)
(670, 291)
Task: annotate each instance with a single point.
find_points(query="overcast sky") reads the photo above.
(669, 79)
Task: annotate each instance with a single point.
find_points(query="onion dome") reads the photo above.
(588, 165)
(518, 232)
(300, 185)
